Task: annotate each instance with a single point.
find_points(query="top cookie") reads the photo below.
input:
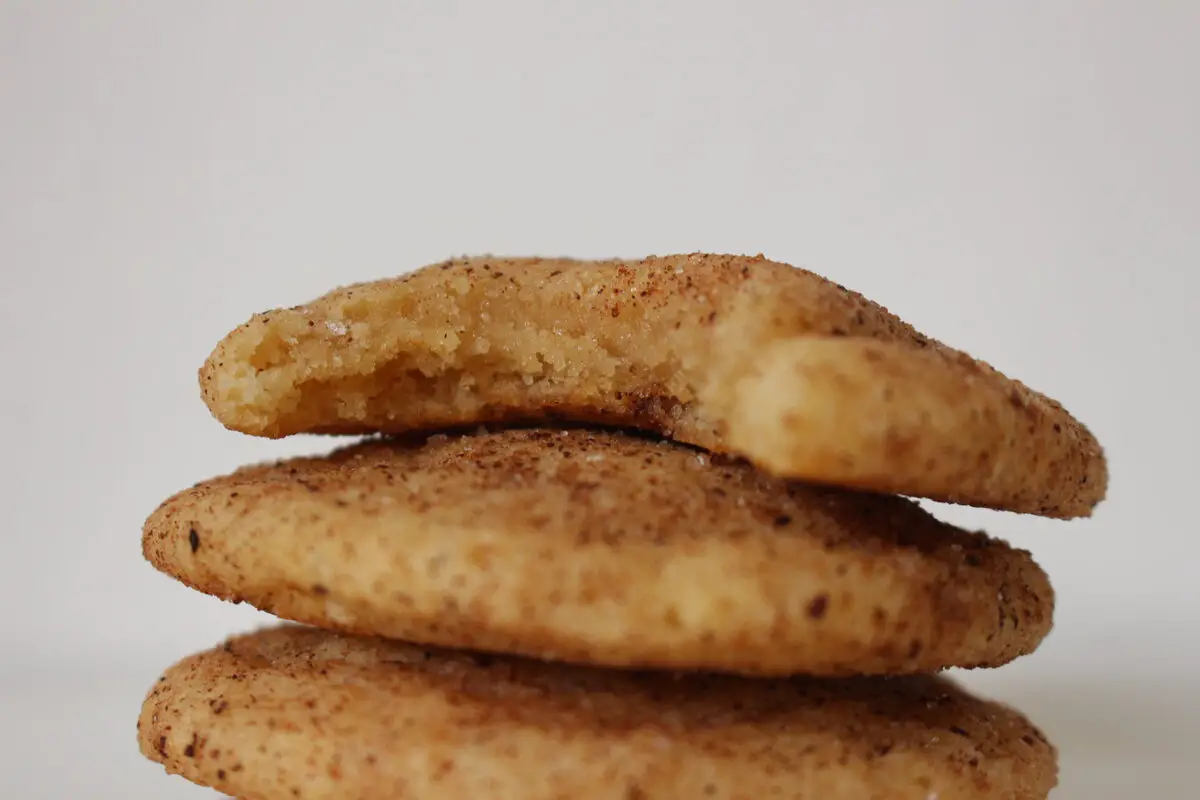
(742, 355)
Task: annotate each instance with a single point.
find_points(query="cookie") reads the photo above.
(295, 712)
(603, 548)
(734, 354)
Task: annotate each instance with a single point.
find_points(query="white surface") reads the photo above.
(1020, 179)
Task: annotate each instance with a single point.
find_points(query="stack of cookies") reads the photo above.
(633, 530)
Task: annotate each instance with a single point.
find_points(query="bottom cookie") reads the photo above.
(294, 712)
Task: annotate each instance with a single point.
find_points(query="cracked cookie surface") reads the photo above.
(605, 548)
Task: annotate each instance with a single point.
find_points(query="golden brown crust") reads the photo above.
(710, 350)
(603, 548)
(294, 712)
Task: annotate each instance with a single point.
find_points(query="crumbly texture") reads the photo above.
(302, 713)
(603, 548)
(735, 354)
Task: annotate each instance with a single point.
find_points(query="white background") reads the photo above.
(1021, 179)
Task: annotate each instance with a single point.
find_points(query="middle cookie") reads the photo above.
(607, 549)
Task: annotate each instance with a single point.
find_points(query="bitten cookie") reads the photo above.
(293, 712)
(735, 354)
(603, 548)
